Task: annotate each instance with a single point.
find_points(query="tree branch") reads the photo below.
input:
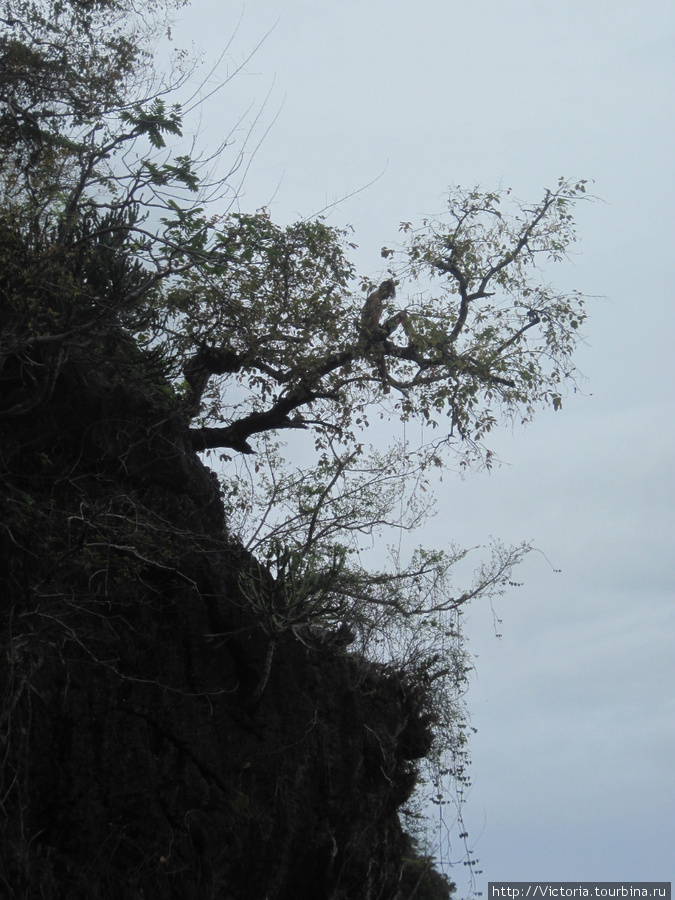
(235, 436)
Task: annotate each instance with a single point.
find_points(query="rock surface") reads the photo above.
(153, 745)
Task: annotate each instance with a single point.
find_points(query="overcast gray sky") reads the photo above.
(573, 760)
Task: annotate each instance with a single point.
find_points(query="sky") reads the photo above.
(386, 104)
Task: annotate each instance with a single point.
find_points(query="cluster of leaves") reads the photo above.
(298, 592)
(484, 338)
(261, 322)
(511, 333)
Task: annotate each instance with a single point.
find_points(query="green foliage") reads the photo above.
(420, 879)
(271, 314)
(292, 589)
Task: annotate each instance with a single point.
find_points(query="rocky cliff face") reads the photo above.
(155, 742)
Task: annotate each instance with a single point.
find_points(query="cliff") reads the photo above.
(156, 741)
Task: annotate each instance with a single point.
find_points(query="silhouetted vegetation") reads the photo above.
(206, 691)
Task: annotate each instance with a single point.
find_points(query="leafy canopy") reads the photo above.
(262, 324)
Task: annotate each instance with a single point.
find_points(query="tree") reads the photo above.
(491, 339)
(239, 330)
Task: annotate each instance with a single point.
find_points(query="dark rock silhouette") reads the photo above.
(134, 762)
